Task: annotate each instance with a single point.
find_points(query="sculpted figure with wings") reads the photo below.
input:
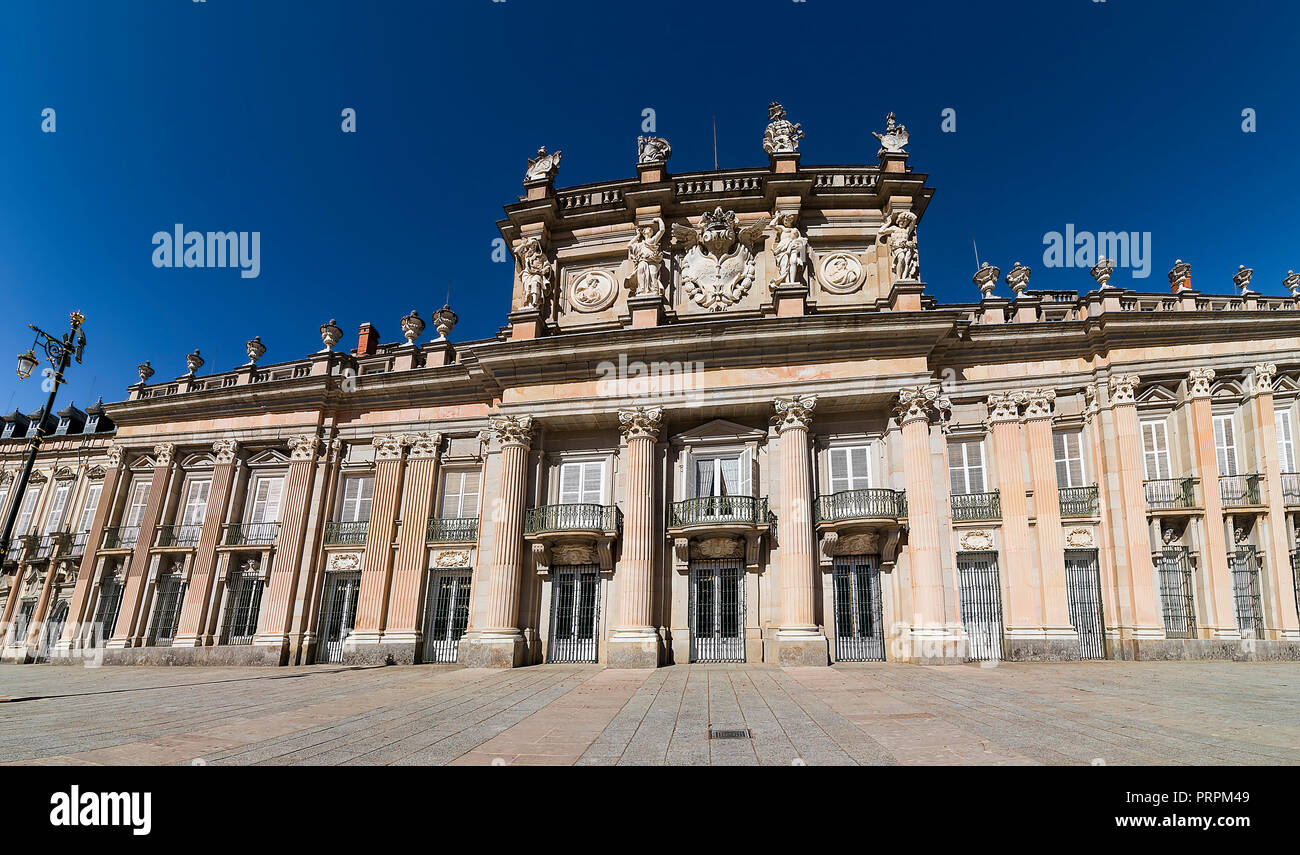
(718, 262)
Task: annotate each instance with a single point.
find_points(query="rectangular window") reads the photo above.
(4, 497)
(729, 475)
(850, 468)
(1285, 441)
(1069, 458)
(58, 505)
(358, 491)
(267, 493)
(1225, 444)
(582, 483)
(459, 494)
(139, 499)
(966, 466)
(1155, 451)
(196, 503)
(28, 510)
(90, 506)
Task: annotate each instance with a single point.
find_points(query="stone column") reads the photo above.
(1023, 606)
(80, 608)
(1109, 559)
(278, 598)
(191, 631)
(1220, 608)
(411, 566)
(932, 637)
(1061, 637)
(799, 640)
(1139, 581)
(377, 563)
(634, 641)
(1280, 608)
(130, 622)
(500, 644)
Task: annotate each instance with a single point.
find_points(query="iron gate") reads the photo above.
(981, 604)
(340, 616)
(575, 595)
(1245, 591)
(52, 630)
(166, 611)
(446, 614)
(1083, 580)
(243, 605)
(859, 622)
(1177, 601)
(110, 603)
(717, 610)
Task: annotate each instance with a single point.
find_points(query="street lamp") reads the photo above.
(59, 351)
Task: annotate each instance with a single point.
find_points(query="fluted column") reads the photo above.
(1280, 607)
(500, 644)
(932, 635)
(198, 595)
(799, 641)
(411, 566)
(1023, 605)
(79, 609)
(377, 563)
(277, 601)
(130, 621)
(1137, 579)
(1053, 586)
(634, 642)
(1220, 609)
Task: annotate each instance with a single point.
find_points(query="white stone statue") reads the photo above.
(899, 235)
(653, 150)
(534, 273)
(543, 167)
(894, 139)
(791, 250)
(782, 136)
(647, 259)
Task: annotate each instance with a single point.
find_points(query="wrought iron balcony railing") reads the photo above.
(1291, 488)
(1239, 491)
(1079, 501)
(77, 545)
(452, 530)
(348, 533)
(573, 517)
(875, 503)
(121, 536)
(976, 506)
(179, 535)
(718, 509)
(1169, 493)
(251, 534)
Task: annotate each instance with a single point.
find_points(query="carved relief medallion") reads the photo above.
(592, 291)
(345, 561)
(841, 273)
(452, 558)
(718, 547)
(976, 540)
(1079, 538)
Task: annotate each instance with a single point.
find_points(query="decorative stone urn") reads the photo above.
(331, 334)
(412, 326)
(194, 361)
(255, 349)
(444, 320)
(146, 371)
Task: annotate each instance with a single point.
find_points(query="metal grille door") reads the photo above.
(981, 604)
(1245, 592)
(1177, 601)
(166, 611)
(717, 611)
(243, 603)
(53, 630)
(1084, 583)
(446, 615)
(575, 591)
(859, 623)
(340, 614)
(110, 603)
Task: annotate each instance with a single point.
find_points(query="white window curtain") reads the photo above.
(358, 491)
(58, 505)
(1285, 441)
(725, 475)
(459, 494)
(966, 466)
(1155, 450)
(582, 483)
(1069, 458)
(850, 468)
(1225, 445)
(89, 507)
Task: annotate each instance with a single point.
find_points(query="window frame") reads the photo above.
(966, 468)
(1065, 435)
(466, 475)
(1159, 450)
(868, 450)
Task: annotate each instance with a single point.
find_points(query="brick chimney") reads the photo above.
(367, 340)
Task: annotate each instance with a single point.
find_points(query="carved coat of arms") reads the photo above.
(718, 264)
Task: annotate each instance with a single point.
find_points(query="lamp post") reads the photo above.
(59, 352)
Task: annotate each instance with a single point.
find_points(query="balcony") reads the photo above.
(346, 533)
(711, 510)
(573, 517)
(1169, 494)
(573, 534)
(853, 522)
(718, 527)
(178, 536)
(251, 534)
(971, 507)
(452, 530)
(1240, 491)
(873, 504)
(121, 536)
(1079, 501)
(1291, 488)
(77, 545)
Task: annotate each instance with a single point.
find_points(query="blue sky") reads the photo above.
(225, 115)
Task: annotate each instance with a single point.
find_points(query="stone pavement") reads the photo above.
(871, 713)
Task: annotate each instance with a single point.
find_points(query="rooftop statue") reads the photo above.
(647, 258)
(894, 139)
(782, 136)
(544, 166)
(653, 150)
(534, 273)
(718, 261)
(791, 250)
(899, 234)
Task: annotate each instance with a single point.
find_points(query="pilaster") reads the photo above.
(131, 621)
(277, 601)
(799, 640)
(377, 563)
(79, 609)
(1219, 606)
(1280, 605)
(1137, 577)
(1023, 605)
(634, 641)
(198, 595)
(1053, 586)
(411, 566)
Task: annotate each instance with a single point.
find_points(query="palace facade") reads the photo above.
(724, 421)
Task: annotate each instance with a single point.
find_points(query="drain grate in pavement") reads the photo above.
(729, 733)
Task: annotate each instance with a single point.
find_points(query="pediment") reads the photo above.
(143, 462)
(1155, 393)
(1226, 389)
(200, 460)
(269, 457)
(1285, 383)
(719, 430)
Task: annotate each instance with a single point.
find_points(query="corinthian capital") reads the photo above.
(1039, 403)
(794, 412)
(1005, 407)
(923, 402)
(640, 422)
(303, 447)
(1123, 388)
(1262, 377)
(425, 444)
(1198, 382)
(116, 454)
(388, 446)
(225, 450)
(512, 430)
(163, 453)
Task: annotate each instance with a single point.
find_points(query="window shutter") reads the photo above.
(744, 484)
(55, 518)
(139, 498)
(28, 511)
(593, 482)
(860, 470)
(469, 492)
(957, 468)
(1226, 442)
(88, 509)
(839, 461)
(449, 507)
(1285, 446)
(570, 483)
(975, 465)
(196, 503)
